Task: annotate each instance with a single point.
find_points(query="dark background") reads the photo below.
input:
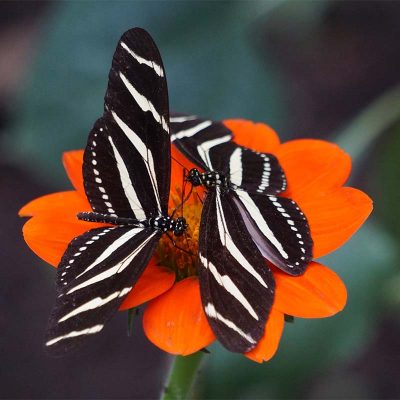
(327, 69)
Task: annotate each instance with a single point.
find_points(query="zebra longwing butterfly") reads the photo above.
(252, 221)
(126, 173)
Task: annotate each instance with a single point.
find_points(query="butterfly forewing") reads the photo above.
(237, 287)
(279, 228)
(195, 137)
(127, 160)
(96, 273)
(255, 172)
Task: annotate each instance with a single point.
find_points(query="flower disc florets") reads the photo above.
(180, 254)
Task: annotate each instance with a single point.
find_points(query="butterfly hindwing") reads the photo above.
(237, 287)
(97, 271)
(127, 159)
(279, 228)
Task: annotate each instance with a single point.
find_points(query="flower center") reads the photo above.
(181, 254)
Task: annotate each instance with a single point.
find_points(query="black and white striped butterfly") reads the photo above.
(243, 221)
(126, 173)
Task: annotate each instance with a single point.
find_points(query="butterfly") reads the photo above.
(126, 172)
(243, 220)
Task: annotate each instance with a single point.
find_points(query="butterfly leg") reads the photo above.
(178, 247)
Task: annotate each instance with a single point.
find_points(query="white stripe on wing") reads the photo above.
(144, 152)
(144, 103)
(226, 282)
(158, 70)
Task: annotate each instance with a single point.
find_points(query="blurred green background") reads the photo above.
(326, 69)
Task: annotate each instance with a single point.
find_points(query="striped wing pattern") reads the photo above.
(96, 273)
(237, 288)
(276, 224)
(279, 228)
(127, 159)
(195, 137)
(126, 174)
(255, 172)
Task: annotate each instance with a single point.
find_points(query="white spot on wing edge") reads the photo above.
(116, 269)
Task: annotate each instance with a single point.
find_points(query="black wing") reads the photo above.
(237, 287)
(255, 172)
(126, 165)
(96, 273)
(195, 137)
(279, 229)
(209, 145)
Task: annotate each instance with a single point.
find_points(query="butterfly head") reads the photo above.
(180, 226)
(194, 177)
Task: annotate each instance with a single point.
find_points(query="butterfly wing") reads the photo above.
(279, 229)
(195, 137)
(126, 173)
(237, 287)
(255, 172)
(126, 165)
(97, 271)
(209, 145)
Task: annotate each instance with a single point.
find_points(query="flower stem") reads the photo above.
(183, 374)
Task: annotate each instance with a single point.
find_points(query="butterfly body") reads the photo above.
(209, 179)
(160, 223)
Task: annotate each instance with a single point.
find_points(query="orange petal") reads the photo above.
(256, 136)
(318, 293)
(154, 281)
(268, 345)
(49, 236)
(54, 204)
(313, 167)
(73, 161)
(176, 322)
(335, 217)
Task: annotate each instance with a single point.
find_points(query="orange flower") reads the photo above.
(174, 319)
